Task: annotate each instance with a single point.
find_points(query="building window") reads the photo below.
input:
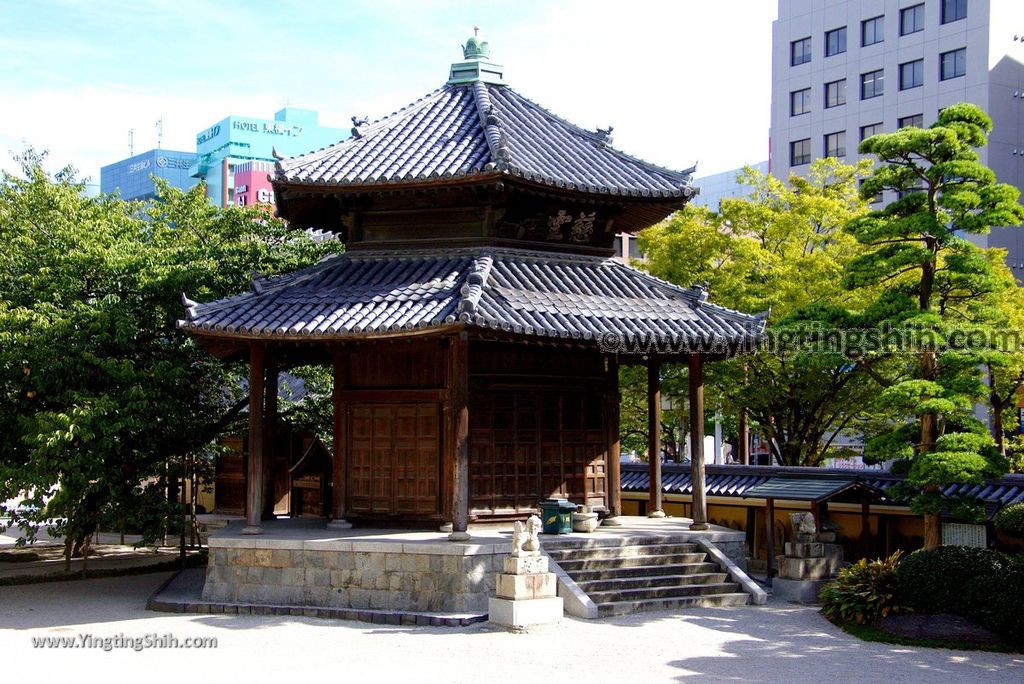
(800, 102)
(800, 51)
(835, 144)
(835, 93)
(872, 84)
(835, 41)
(800, 152)
(953, 10)
(872, 31)
(870, 130)
(911, 74)
(912, 19)
(952, 64)
(912, 121)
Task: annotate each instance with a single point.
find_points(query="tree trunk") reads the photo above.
(996, 402)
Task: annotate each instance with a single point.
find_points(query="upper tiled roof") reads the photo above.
(476, 128)
(366, 293)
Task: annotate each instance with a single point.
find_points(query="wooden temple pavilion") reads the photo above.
(477, 320)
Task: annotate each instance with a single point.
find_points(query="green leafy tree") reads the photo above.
(101, 398)
(782, 248)
(939, 284)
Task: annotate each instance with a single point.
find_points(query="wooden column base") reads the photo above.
(459, 536)
(252, 529)
(656, 514)
(698, 526)
(340, 524)
(612, 521)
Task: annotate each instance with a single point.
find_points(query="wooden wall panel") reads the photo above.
(532, 444)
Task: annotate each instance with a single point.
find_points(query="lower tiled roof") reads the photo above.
(737, 480)
(366, 293)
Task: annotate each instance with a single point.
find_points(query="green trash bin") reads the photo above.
(556, 516)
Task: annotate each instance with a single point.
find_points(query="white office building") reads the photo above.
(843, 70)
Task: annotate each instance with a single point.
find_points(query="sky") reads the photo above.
(682, 82)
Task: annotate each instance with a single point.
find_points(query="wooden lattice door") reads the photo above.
(394, 459)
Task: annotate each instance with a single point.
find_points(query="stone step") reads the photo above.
(614, 572)
(625, 583)
(622, 551)
(573, 564)
(596, 541)
(703, 601)
(602, 597)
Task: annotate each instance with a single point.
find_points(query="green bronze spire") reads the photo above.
(477, 65)
(476, 48)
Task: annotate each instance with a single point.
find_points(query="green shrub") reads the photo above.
(950, 579)
(1010, 519)
(864, 592)
(1006, 603)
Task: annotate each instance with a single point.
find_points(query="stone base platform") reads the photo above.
(183, 594)
(797, 591)
(301, 563)
(388, 576)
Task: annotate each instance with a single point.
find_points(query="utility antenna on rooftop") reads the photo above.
(131, 142)
(159, 132)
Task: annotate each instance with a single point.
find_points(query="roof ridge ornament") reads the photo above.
(477, 64)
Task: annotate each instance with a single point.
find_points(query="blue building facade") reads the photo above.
(718, 186)
(236, 140)
(131, 177)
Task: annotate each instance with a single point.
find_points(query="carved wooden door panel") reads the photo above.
(394, 459)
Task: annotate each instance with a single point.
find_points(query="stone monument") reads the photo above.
(808, 563)
(526, 591)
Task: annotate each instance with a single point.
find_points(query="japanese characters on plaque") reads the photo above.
(580, 230)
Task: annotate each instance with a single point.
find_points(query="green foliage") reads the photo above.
(863, 593)
(101, 397)
(1010, 519)
(946, 289)
(782, 247)
(979, 584)
(948, 579)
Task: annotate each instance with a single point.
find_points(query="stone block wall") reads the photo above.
(396, 577)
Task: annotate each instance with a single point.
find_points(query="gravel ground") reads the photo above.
(779, 643)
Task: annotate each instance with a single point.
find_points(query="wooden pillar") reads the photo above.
(865, 527)
(254, 479)
(751, 531)
(654, 437)
(339, 440)
(613, 470)
(769, 528)
(269, 440)
(744, 438)
(697, 482)
(744, 431)
(459, 459)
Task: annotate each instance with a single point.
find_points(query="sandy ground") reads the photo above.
(779, 643)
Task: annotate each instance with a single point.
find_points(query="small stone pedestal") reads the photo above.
(526, 591)
(805, 568)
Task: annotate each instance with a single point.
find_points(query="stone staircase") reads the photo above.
(630, 575)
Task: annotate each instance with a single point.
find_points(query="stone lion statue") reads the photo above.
(526, 538)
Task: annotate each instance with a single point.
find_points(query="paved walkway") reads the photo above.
(779, 643)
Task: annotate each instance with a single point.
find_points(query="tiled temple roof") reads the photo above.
(539, 294)
(736, 480)
(482, 128)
